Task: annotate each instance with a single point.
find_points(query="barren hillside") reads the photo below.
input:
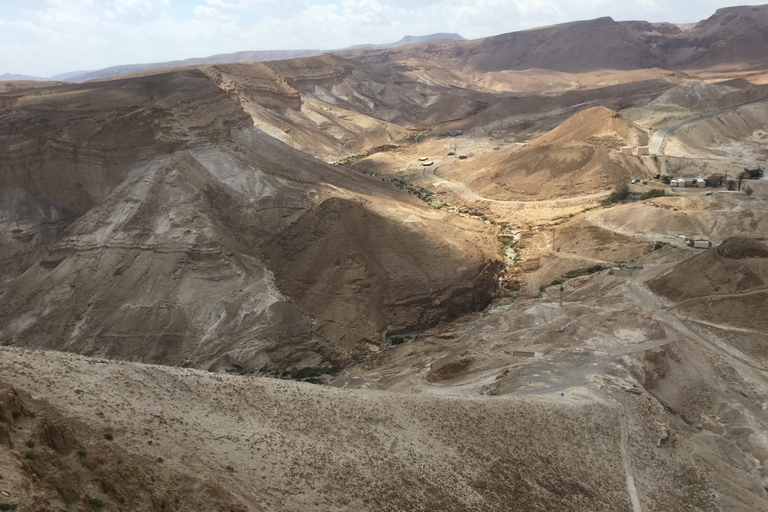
(580, 156)
(165, 202)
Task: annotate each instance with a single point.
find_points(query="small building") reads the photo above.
(701, 183)
(626, 150)
(621, 271)
(681, 183)
(690, 182)
(673, 183)
(702, 244)
(643, 151)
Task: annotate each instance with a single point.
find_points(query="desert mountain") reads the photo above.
(732, 37)
(579, 156)
(161, 184)
(223, 58)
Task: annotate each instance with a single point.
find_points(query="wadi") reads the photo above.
(527, 272)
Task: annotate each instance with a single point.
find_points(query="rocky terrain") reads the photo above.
(417, 278)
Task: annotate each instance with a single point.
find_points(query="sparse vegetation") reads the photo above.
(8, 506)
(422, 193)
(159, 459)
(666, 179)
(748, 190)
(654, 192)
(108, 436)
(398, 339)
(714, 181)
(311, 374)
(68, 498)
(351, 159)
(416, 137)
(82, 454)
(620, 193)
(96, 503)
(753, 174)
(30, 455)
(30, 443)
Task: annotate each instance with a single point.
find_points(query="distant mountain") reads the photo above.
(8, 77)
(734, 37)
(408, 40)
(225, 58)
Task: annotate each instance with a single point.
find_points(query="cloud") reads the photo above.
(44, 37)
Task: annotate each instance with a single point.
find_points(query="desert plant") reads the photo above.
(8, 506)
(666, 179)
(619, 194)
(82, 454)
(159, 459)
(96, 502)
(654, 192)
(108, 436)
(30, 455)
(748, 190)
(731, 184)
(30, 443)
(68, 497)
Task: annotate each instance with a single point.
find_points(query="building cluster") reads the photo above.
(688, 182)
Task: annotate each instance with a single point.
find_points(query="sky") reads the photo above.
(48, 37)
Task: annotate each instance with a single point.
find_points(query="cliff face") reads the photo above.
(144, 219)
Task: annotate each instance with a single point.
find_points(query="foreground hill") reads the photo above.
(579, 156)
(155, 438)
(157, 220)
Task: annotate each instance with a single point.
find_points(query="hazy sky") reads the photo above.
(47, 37)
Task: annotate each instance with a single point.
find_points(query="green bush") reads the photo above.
(619, 194)
(30, 455)
(8, 506)
(82, 454)
(30, 443)
(108, 436)
(748, 191)
(96, 502)
(666, 180)
(68, 498)
(654, 192)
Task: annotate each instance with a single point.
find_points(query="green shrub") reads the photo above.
(82, 453)
(108, 436)
(159, 459)
(96, 502)
(666, 180)
(30, 455)
(654, 192)
(68, 498)
(30, 443)
(619, 194)
(748, 191)
(8, 506)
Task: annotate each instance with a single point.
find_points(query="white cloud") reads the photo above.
(44, 37)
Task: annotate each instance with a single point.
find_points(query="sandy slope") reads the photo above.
(260, 444)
